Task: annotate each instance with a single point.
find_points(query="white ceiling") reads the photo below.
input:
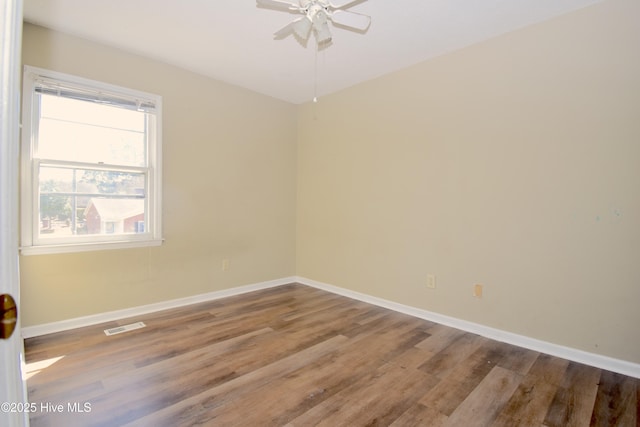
(232, 40)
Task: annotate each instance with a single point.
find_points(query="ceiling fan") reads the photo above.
(317, 14)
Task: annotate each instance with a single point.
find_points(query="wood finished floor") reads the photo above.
(298, 356)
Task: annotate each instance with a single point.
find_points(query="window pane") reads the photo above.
(91, 181)
(77, 201)
(82, 131)
(55, 216)
(93, 216)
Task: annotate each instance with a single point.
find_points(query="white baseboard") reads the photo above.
(580, 356)
(79, 322)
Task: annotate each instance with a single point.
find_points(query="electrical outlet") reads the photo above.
(431, 281)
(477, 291)
(225, 264)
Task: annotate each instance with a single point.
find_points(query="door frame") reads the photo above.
(13, 392)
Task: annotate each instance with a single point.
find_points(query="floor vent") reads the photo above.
(125, 328)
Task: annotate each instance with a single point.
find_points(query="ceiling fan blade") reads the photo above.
(292, 4)
(339, 4)
(354, 20)
(301, 27)
(284, 31)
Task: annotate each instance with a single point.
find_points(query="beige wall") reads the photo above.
(229, 191)
(514, 163)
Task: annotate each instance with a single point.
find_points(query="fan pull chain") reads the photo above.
(315, 77)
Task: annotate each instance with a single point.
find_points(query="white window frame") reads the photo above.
(31, 244)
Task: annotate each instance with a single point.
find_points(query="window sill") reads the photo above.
(86, 247)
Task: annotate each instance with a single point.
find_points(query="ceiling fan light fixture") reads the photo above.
(323, 35)
(321, 26)
(302, 28)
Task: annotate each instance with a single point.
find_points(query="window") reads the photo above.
(91, 165)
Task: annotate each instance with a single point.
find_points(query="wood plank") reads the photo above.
(637, 404)
(529, 404)
(487, 400)
(295, 355)
(516, 359)
(377, 399)
(420, 415)
(617, 401)
(573, 402)
(312, 384)
(352, 360)
(450, 357)
(462, 380)
(225, 395)
(549, 369)
(440, 337)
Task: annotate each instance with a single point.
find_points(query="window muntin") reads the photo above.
(91, 165)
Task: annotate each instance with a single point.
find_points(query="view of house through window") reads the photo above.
(83, 201)
(93, 165)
